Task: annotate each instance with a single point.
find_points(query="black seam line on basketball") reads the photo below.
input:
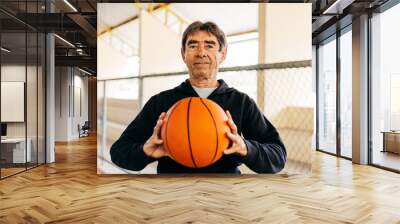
(188, 131)
(166, 131)
(216, 129)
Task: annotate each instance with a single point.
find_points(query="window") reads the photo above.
(346, 92)
(22, 66)
(327, 95)
(385, 84)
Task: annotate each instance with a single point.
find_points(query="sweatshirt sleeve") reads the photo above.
(266, 152)
(127, 152)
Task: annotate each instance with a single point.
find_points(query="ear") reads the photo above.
(223, 54)
(183, 54)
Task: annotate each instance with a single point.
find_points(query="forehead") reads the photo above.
(202, 36)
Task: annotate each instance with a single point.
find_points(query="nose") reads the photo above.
(201, 51)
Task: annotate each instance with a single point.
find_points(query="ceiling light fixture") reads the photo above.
(337, 7)
(5, 50)
(70, 5)
(79, 51)
(84, 71)
(64, 40)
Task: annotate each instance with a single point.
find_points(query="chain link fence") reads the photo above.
(284, 92)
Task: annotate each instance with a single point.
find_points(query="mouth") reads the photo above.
(201, 63)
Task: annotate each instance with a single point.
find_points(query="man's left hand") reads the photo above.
(238, 145)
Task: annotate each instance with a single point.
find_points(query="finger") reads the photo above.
(229, 115)
(159, 152)
(230, 150)
(157, 141)
(161, 118)
(233, 127)
(232, 137)
(150, 151)
(231, 124)
(162, 115)
(157, 128)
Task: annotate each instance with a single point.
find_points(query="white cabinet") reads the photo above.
(19, 155)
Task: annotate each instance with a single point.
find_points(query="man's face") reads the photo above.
(202, 55)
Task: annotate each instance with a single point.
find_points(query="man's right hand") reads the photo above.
(154, 145)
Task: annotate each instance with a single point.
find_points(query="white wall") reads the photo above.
(68, 83)
(80, 101)
(62, 98)
(85, 99)
(160, 47)
(13, 73)
(288, 32)
(111, 62)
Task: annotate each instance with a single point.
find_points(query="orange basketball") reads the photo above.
(194, 132)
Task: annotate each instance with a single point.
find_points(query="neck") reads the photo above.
(204, 83)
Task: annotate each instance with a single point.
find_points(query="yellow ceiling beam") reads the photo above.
(130, 19)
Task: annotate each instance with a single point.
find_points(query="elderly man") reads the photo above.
(204, 48)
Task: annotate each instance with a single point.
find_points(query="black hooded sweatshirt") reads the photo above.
(266, 152)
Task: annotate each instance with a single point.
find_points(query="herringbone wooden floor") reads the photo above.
(70, 191)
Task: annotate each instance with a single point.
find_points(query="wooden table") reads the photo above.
(391, 141)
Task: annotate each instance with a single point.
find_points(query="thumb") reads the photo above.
(158, 141)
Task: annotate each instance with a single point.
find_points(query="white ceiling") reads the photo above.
(111, 14)
(236, 18)
(231, 17)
